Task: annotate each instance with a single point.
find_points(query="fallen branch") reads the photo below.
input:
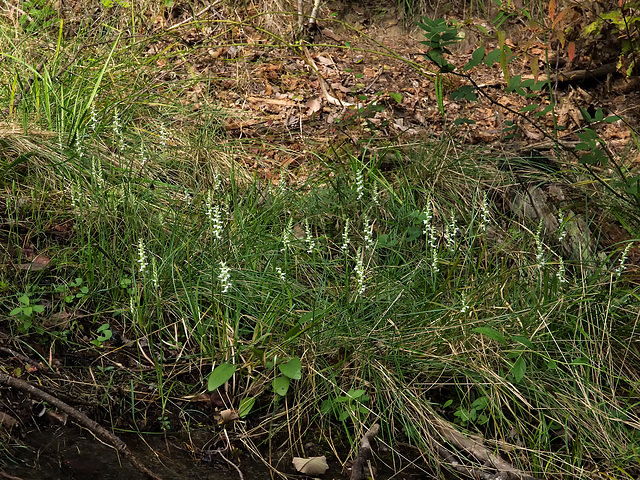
(82, 420)
(474, 445)
(364, 454)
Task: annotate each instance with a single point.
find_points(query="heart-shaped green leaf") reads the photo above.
(281, 385)
(292, 369)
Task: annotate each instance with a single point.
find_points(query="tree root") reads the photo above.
(82, 420)
(364, 454)
(474, 445)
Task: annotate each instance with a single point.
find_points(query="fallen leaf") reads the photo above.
(327, 32)
(313, 106)
(7, 421)
(227, 416)
(55, 418)
(311, 466)
(39, 262)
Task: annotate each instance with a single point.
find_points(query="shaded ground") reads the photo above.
(373, 64)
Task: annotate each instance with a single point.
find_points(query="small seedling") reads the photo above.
(292, 370)
(346, 406)
(75, 290)
(104, 334)
(25, 312)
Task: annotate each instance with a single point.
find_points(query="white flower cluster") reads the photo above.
(560, 272)
(359, 269)
(562, 231)
(308, 238)
(96, 172)
(345, 236)
(94, 118)
(225, 277)
(359, 184)
(286, 236)
(484, 212)
(368, 233)
(623, 259)
(142, 256)
(117, 130)
(450, 232)
(214, 214)
(430, 232)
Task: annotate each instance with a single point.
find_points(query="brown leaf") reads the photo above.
(311, 466)
(55, 418)
(7, 421)
(313, 106)
(228, 416)
(40, 262)
(329, 33)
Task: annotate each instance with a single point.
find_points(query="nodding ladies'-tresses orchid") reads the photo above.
(484, 210)
(142, 256)
(286, 236)
(345, 236)
(214, 215)
(308, 238)
(359, 269)
(368, 233)
(359, 184)
(224, 277)
(623, 259)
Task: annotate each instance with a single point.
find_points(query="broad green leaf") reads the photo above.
(599, 116)
(581, 361)
(355, 393)
(326, 407)
(523, 340)
(292, 369)
(480, 403)
(246, 404)
(24, 299)
(281, 385)
(220, 375)
(293, 332)
(478, 54)
(396, 96)
(15, 311)
(464, 121)
(492, 333)
(612, 119)
(466, 92)
(476, 59)
(492, 57)
(519, 369)
(529, 108)
(544, 111)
